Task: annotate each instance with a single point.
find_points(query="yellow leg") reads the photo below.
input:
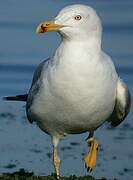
(91, 157)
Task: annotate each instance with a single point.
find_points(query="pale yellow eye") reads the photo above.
(78, 17)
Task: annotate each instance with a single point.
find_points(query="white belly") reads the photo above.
(74, 106)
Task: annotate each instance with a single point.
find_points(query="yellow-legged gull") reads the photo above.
(77, 89)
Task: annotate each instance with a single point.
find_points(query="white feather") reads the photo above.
(76, 89)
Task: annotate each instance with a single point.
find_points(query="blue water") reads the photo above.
(23, 145)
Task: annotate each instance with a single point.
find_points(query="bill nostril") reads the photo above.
(47, 24)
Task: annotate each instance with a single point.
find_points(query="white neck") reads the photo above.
(76, 59)
(90, 44)
(78, 50)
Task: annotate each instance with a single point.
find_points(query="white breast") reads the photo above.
(76, 94)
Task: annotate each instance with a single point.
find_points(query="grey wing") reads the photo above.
(38, 71)
(35, 85)
(122, 105)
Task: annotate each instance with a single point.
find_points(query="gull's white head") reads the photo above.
(74, 22)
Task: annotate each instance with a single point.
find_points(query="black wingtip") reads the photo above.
(10, 98)
(16, 98)
(6, 98)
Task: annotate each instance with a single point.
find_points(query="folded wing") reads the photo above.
(122, 105)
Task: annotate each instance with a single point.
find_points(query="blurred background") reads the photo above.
(23, 145)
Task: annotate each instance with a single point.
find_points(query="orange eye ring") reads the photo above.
(78, 17)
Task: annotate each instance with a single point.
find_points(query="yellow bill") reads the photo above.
(48, 26)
